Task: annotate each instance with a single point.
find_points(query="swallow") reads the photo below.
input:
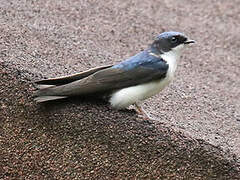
(128, 82)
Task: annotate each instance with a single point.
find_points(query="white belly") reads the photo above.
(127, 96)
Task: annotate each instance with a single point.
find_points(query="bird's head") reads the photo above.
(170, 41)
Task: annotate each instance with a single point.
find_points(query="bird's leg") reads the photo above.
(142, 112)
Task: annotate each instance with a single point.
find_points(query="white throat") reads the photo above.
(172, 58)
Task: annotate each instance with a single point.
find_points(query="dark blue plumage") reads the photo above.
(147, 59)
(169, 34)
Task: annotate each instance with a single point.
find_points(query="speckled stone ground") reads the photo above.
(196, 131)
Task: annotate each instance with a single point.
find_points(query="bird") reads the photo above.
(128, 82)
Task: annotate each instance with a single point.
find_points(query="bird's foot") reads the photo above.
(142, 113)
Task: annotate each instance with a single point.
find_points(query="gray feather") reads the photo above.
(41, 99)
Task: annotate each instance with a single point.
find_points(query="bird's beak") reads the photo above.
(189, 41)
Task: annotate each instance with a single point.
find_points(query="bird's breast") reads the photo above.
(127, 96)
(130, 95)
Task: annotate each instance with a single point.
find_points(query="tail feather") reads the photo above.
(41, 99)
(62, 87)
(43, 86)
(42, 93)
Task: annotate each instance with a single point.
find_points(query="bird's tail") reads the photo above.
(62, 87)
(41, 99)
(43, 93)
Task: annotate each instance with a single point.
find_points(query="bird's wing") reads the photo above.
(116, 78)
(109, 79)
(68, 79)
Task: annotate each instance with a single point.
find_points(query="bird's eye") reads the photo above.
(174, 40)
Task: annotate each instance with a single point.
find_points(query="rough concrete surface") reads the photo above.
(196, 134)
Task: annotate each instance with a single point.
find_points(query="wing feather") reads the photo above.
(67, 79)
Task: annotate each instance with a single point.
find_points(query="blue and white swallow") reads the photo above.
(129, 82)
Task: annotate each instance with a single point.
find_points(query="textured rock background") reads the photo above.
(197, 127)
